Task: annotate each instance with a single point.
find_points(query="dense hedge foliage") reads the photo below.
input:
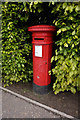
(17, 57)
(67, 55)
(16, 45)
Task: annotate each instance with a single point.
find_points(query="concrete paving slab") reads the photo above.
(14, 107)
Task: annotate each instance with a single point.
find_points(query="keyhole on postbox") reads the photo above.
(45, 62)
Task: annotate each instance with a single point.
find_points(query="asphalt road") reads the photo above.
(14, 107)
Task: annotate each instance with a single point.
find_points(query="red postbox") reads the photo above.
(42, 39)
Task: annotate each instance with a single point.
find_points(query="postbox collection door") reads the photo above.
(40, 64)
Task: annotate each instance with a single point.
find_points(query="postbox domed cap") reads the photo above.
(41, 28)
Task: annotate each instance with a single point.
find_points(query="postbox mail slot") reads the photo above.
(39, 38)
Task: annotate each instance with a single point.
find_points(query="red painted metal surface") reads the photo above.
(42, 35)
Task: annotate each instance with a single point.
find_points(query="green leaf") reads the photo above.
(77, 8)
(65, 52)
(35, 3)
(19, 65)
(71, 18)
(63, 29)
(52, 59)
(53, 2)
(56, 58)
(56, 52)
(22, 65)
(71, 73)
(73, 90)
(65, 45)
(72, 45)
(72, 7)
(49, 72)
(64, 5)
(73, 33)
(59, 31)
(58, 85)
(40, 10)
(73, 67)
(60, 48)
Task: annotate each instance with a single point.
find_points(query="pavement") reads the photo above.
(15, 107)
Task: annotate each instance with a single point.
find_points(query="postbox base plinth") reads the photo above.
(41, 89)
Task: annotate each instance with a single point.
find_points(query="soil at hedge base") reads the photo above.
(64, 101)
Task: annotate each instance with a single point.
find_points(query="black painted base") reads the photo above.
(41, 89)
